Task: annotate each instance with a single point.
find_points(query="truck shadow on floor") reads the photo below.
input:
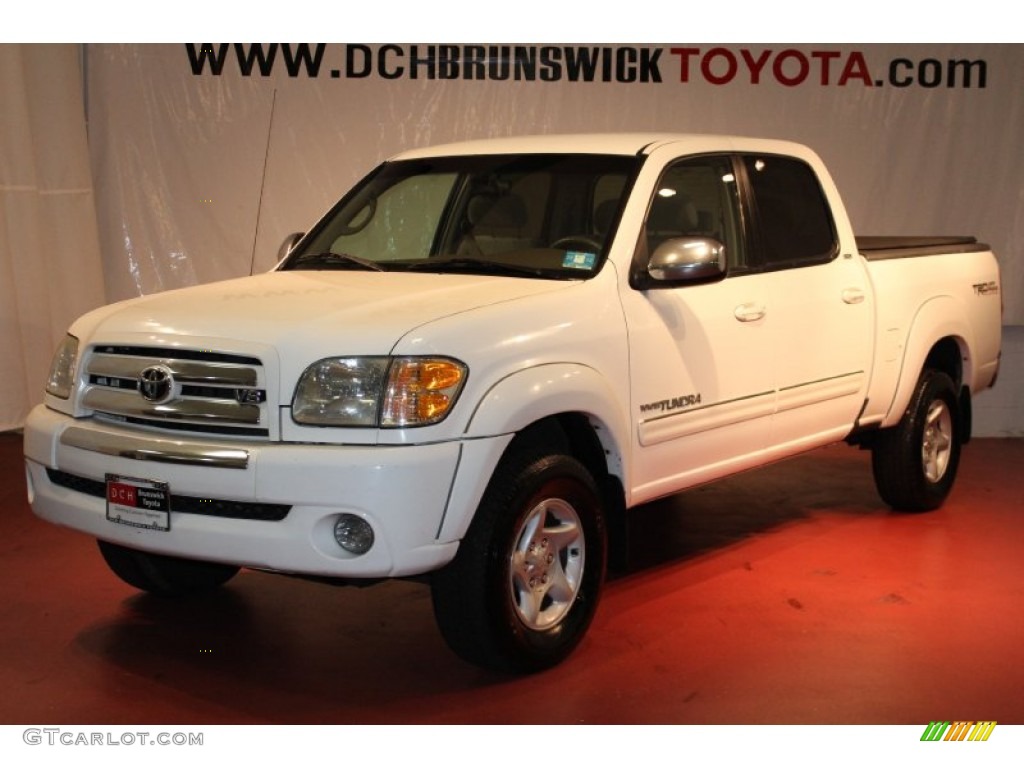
(272, 649)
(688, 524)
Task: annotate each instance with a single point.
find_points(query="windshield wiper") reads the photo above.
(334, 260)
(478, 266)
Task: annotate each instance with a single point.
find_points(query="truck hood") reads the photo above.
(320, 312)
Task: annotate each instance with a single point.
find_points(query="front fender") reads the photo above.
(528, 396)
(514, 403)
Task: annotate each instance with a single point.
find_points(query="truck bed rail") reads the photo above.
(879, 247)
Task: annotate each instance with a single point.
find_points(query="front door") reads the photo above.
(701, 356)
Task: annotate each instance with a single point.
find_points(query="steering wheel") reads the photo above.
(571, 242)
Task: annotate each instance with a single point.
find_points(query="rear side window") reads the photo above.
(794, 217)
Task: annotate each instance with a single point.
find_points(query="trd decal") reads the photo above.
(986, 289)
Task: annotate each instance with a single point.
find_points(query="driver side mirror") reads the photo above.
(688, 259)
(288, 244)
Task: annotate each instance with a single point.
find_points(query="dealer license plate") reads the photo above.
(138, 503)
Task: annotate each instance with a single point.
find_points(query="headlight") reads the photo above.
(377, 391)
(62, 369)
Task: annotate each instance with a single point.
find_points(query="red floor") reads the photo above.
(788, 595)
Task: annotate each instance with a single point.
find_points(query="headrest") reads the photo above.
(675, 214)
(490, 212)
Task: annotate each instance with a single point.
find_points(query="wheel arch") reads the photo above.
(569, 408)
(576, 397)
(940, 339)
(946, 355)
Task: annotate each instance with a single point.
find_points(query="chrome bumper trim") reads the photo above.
(155, 449)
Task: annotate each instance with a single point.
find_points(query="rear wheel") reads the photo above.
(915, 462)
(525, 583)
(162, 574)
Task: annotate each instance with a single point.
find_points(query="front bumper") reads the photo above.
(402, 491)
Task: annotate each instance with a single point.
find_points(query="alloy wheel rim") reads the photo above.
(546, 564)
(937, 441)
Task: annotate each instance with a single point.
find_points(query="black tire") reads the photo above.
(164, 575)
(915, 462)
(526, 580)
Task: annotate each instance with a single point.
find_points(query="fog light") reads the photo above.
(353, 534)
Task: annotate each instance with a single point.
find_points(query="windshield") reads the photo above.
(545, 216)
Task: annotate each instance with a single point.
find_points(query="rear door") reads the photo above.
(821, 315)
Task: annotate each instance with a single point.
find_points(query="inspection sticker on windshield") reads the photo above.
(579, 260)
(138, 503)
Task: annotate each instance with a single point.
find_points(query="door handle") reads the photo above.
(853, 296)
(749, 313)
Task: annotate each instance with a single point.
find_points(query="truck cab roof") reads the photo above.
(602, 143)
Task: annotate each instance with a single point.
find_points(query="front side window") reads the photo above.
(546, 216)
(698, 197)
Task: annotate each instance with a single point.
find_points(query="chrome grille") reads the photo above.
(185, 390)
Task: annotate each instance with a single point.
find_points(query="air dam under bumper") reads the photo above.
(402, 491)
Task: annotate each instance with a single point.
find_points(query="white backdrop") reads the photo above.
(189, 166)
(198, 177)
(50, 269)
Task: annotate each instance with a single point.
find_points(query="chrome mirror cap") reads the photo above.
(690, 259)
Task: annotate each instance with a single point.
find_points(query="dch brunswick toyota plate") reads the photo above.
(139, 503)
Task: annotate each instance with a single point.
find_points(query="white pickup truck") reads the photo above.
(487, 352)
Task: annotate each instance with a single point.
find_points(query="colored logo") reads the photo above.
(958, 730)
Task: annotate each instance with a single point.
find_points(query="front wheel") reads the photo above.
(525, 583)
(915, 462)
(164, 575)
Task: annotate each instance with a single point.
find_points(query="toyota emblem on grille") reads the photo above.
(156, 384)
